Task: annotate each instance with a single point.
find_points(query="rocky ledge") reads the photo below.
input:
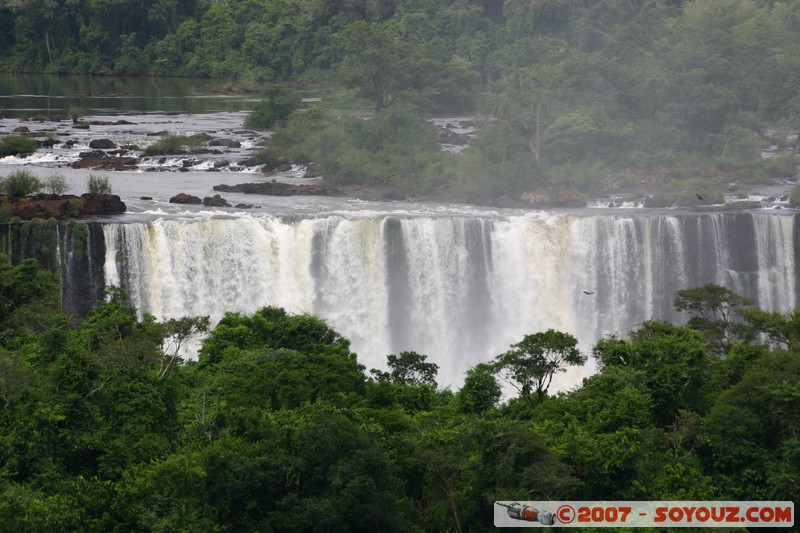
(66, 206)
(282, 189)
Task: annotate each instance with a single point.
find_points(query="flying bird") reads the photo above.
(588, 292)
(698, 196)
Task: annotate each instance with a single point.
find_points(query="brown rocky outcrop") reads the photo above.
(184, 198)
(281, 189)
(215, 201)
(554, 197)
(102, 204)
(102, 144)
(100, 160)
(312, 171)
(66, 206)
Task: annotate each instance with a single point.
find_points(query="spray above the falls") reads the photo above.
(459, 289)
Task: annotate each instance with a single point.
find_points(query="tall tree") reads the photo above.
(409, 368)
(531, 363)
(716, 312)
(375, 62)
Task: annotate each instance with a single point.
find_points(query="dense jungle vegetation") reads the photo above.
(583, 95)
(278, 427)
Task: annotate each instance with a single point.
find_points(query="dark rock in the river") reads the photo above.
(537, 198)
(184, 198)
(70, 143)
(81, 125)
(108, 123)
(189, 162)
(221, 163)
(569, 198)
(67, 206)
(249, 162)
(98, 159)
(202, 136)
(49, 143)
(374, 192)
(741, 206)
(312, 171)
(134, 147)
(183, 169)
(102, 204)
(554, 197)
(215, 201)
(393, 195)
(145, 198)
(227, 143)
(284, 167)
(273, 166)
(162, 160)
(244, 206)
(93, 153)
(281, 189)
(21, 129)
(42, 118)
(30, 207)
(103, 144)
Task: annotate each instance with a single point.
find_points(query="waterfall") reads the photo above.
(459, 289)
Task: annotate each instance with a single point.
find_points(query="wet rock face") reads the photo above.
(102, 204)
(281, 189)
(184, 198)
(103, 144)
(100, 160)
(66, 206)
(215, 201)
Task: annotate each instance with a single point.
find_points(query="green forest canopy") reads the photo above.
(588, 95)
(277, 426)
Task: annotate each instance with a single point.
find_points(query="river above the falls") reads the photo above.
(454, 281)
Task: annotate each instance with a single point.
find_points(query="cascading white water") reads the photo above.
(460, 289)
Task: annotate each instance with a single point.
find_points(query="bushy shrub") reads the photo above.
(76, 113)
(172, 144)
(56, 184)
(275, 109)
(17, 144)
(794, 197)
(269, 157)
(783, 166)
(20, 183)
(347, 99)
(98, 184)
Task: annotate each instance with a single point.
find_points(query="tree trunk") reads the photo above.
(452, 503)
(47, 44)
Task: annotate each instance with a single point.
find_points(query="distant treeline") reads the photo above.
(585, 92)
